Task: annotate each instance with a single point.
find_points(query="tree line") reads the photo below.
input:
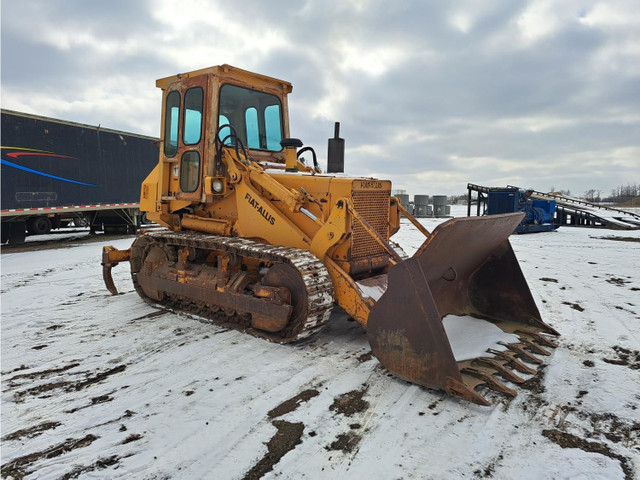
(620, 194)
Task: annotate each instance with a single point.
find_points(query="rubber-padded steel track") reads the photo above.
(314, 276)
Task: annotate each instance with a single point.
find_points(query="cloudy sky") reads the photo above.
(432, 95)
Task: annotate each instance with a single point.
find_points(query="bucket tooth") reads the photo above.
(522, 353)
(541, 339)
(503, 371)
(458, 389)
(513, 362)
(535, 348)
(491, 382)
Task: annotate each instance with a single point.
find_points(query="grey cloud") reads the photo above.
(533, 111)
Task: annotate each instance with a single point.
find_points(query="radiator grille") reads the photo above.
(373, 205)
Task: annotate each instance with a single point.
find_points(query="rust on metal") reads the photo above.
(541, 339)
(111, 256)
(465, 267)
(108, 279)
(499, 368)
(522, 353)
(492, 382)
(509, 358)
(534, 347)
(457, 388)
(219, 278)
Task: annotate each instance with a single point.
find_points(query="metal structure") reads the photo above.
(577, 212)
(555, 210)
(539, 213)
(258, 240)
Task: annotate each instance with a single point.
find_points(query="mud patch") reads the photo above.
(290, 405)
(614, 428)
(345, 442)
(575, 306)
(94, 401)
(617, 281)
(567, 440)
(151, 315)
(536, 383)
(350, 403)
(132, 438)
(18, 467)
(31, 431)
(626, 357)
(286, 438)
(365, 357)
(68, 385)
(489, 470)
(97, 378)
(43, 373)
(547, 279)
(19, 396)
(100, 464)
(620, 239)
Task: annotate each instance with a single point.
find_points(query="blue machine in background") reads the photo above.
(539, 214)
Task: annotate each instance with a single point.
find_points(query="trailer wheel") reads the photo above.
(39, 225)
(81, 221)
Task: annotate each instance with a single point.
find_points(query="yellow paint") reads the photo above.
(299, 209)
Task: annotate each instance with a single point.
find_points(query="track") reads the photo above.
(316, 280)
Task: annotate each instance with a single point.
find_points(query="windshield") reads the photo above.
(255, 116)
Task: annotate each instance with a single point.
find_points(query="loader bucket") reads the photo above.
(466, 267)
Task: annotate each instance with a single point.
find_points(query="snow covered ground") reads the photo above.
(97, 386)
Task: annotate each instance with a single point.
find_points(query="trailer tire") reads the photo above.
(39, 225)
(81, 221)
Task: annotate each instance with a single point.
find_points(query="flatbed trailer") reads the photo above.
(56, 173)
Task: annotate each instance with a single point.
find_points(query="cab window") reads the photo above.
(192, 129)
(255, 116)
(171, 116)
(189, 171)
(224, 132)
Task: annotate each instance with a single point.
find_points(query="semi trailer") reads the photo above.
(57, 173)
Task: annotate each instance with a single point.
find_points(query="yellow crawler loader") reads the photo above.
(259, 240)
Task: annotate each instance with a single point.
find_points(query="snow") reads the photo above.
(372, 291)
(471, 337)
(198, 395)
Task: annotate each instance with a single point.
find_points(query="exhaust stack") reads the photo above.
(335, 154)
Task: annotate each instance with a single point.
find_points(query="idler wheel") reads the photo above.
(287, 276)
(156, 264)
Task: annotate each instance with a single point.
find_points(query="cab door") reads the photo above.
(184, 145)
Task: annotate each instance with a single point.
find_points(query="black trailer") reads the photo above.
(55, 173)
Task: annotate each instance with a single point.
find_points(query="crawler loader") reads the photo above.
(259, 239)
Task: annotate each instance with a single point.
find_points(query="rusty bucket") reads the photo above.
(466, 267)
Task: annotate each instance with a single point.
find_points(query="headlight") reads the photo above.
(217, 185)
